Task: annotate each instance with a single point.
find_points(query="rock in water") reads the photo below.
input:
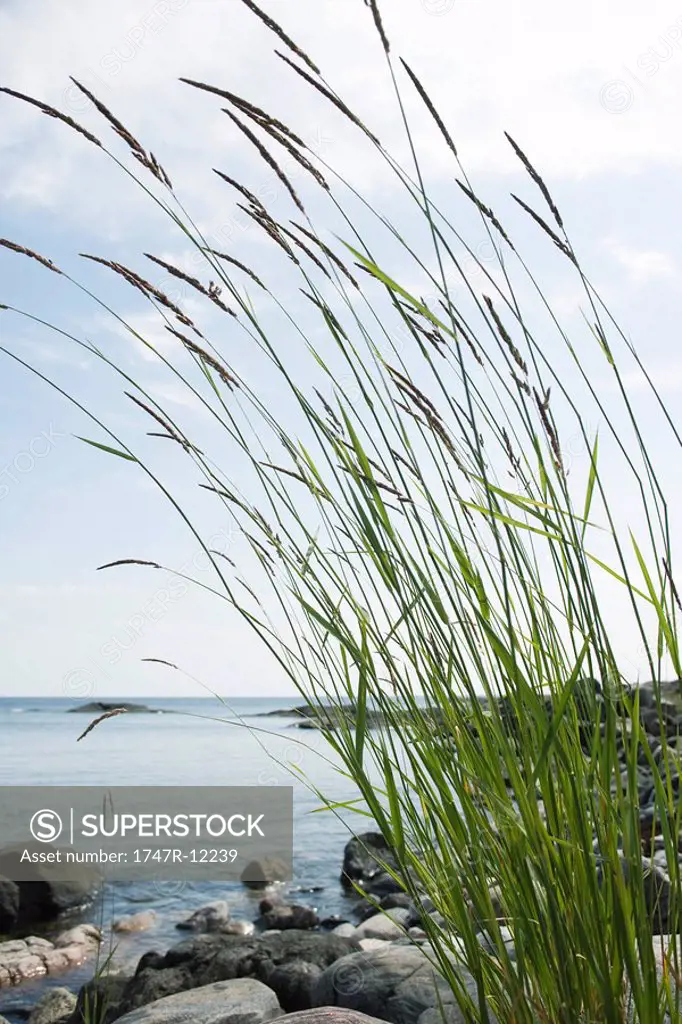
(33, 957)
(260, 873)
(238, 928)
(363, 859)
(135, 922)
(239, 1001)
(42, 896)
(210, 918)
(9, 905)
(56, 1005)
(100, 707)
(280, 916)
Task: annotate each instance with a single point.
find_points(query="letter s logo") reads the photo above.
(46, 826)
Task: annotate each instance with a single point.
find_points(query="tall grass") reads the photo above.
(413, 529)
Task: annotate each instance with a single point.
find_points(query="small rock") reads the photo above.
(368, 944)
(139, 922)
(393, 899)
(345, 930)
(238, 928)
(56, 1005)
(331, 922)
(289, 915)
(382, 885)
(210, 918)
(271, 901)
(388, 925)
(82, 935)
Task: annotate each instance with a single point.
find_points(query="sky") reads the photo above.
(590, 92)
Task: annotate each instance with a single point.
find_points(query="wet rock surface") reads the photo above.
(34, 957)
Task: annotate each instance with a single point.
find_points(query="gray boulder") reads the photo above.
(57, 1004)
(239, 1001)
(206, 959)
(396, 983)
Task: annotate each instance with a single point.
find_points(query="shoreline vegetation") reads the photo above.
(409, 522)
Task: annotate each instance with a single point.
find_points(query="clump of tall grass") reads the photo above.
(413, 527)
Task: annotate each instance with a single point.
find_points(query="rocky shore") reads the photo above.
(316, 716)
(226, 971)
(290, 961)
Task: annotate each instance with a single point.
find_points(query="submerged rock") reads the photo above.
(139, 922)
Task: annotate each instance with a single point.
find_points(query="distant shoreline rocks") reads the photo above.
(588, 691)
(100, 707)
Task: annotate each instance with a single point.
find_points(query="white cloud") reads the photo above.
(665, 376)
(584, 102)
(643, 265)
